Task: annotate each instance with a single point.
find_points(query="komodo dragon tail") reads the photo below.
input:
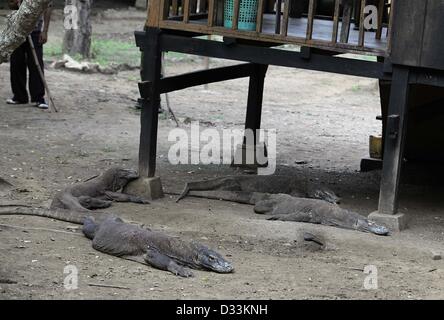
(58, 214)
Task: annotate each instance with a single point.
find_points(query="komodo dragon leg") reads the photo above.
(68, 201)
(163, 262)
(122, 197)
(93, 203)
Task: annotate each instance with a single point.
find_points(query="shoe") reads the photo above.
(42, 105)
(14, 102)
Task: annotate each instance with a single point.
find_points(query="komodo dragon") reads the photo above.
(260, 184)
(111, 235)
(98, 192)
(284, 207)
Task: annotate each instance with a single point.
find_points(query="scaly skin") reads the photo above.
(261, 184)
(110, 235)
(97, 193)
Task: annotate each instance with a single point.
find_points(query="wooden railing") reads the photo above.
(335, 33)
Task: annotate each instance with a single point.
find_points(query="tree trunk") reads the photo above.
(19, 25)
(78, 38)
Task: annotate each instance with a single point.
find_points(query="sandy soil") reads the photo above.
(322, 119)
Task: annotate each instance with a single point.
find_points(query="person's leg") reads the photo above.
(36, 86)
(18, 75)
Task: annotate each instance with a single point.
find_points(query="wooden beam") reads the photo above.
(197, 78)
(269, 56)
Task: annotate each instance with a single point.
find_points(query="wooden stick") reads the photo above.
(42, 76)
(107, 286)
(40, 229)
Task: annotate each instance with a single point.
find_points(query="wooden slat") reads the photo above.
(186, 10)
(334, 37)
(390, 27)
(310, 22)
(277, 29)
(285, 20)
(361, 39)
(269, 37)
(235, 20)
(175, 8)
(260, 15)
(381, 10)
(211, 12)
(346, 20)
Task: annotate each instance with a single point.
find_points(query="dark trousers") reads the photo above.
(21, 61)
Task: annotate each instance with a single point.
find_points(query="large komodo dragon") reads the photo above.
(110, 235)
(287, 207)
(274, 184)
(99, 192)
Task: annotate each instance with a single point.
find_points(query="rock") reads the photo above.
(436, 255)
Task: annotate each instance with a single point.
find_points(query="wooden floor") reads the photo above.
(322, 30)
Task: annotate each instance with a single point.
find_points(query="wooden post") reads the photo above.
(255, 98)
(394, 140)
(150, 107)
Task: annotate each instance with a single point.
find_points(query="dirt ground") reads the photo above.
(323, 122)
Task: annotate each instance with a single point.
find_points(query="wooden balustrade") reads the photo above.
(335, 33)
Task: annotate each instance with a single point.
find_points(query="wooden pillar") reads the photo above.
(395, 133)
(255, 98)
(151, 66)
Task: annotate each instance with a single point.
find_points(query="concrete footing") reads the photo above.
(247, 156)
(148, 188)
(395, 222)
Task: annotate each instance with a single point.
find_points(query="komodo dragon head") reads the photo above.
(116, 178)
(205, 258)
